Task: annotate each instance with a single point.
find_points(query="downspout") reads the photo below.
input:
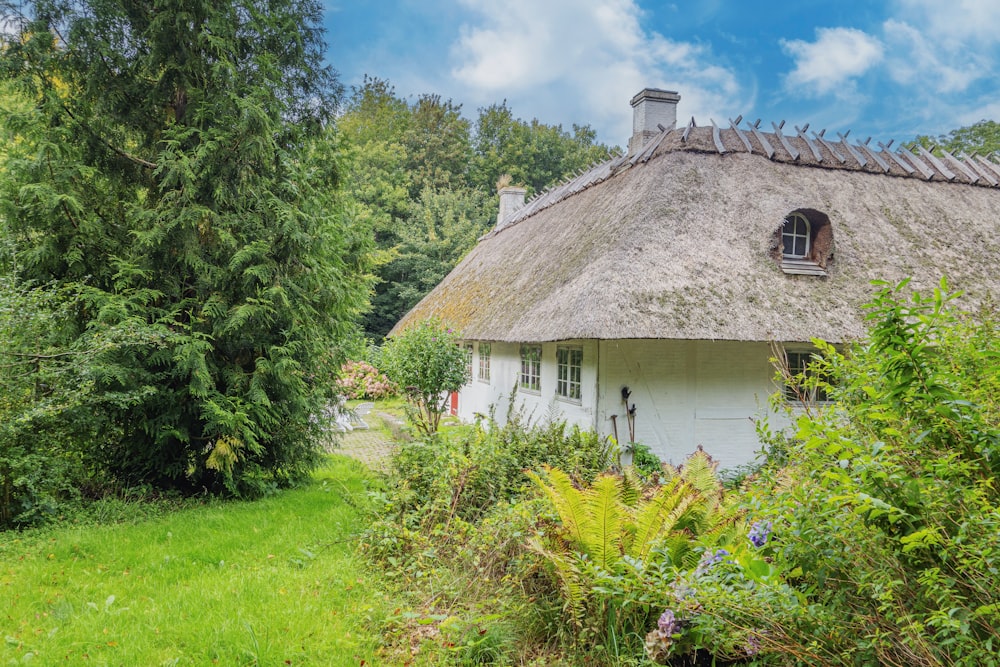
(597, 389)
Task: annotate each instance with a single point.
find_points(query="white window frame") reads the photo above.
(569, 373)
(530, 378)
(484, 362)
(469, 350)
(793, 221)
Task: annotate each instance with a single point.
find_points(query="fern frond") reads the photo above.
(566, 499)
(569, 577)
(630, 487)
(661, 515)
(698, 470)
(603, 531)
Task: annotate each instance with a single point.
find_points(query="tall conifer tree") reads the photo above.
(180, 166)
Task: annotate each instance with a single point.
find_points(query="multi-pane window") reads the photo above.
(569, 365)
(531, 367)
(467, 348)
(801, 381)
(795, 236)
(484, 362)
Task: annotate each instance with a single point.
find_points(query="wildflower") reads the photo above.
(752, 646)
(709, 559)
(667, 623)
(759, 532)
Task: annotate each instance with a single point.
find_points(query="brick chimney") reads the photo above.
(652, 107)
(511, 201)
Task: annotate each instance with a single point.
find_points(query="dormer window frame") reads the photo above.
(800, 233)
(807, 234)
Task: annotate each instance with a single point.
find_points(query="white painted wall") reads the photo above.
(686, 393)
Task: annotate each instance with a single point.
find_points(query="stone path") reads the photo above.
(370, 439)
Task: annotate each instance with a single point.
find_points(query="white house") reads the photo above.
(671, 271)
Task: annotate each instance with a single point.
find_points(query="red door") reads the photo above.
(454, 403)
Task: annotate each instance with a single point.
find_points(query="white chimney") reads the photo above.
(511, 201)
(650, 108)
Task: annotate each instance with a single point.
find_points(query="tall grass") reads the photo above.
(272, 582)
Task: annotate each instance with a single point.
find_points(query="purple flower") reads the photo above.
(709, 559)
(759, 532)
(667, 623)
(752, 646)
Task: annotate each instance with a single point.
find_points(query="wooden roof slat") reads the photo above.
(687, 130)
(918, 163)
(717, 138)
(930, 157)
(765, 144)
(955, 162)
(988, 165)
(809, 142)
(830, 147)
(653, 145)
(895, 158)
(862, 161)
(874, 156)
(784, 142)
(739, 133)
(984, 174)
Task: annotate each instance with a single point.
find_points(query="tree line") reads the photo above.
(423, 178)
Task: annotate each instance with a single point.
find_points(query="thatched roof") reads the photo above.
(680, 241)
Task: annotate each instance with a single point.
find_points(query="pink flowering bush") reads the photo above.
(360, 379)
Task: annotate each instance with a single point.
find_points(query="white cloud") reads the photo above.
(588, 56)
(833, 61)
(916, 60)
(954, 21)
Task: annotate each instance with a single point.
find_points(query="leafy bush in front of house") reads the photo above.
(359, 379)
(889, 509)
(646, 462)
(427, 362)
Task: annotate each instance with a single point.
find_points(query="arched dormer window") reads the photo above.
(795, 236)
(803, 244)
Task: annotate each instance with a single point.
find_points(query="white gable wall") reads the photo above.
(686, 393)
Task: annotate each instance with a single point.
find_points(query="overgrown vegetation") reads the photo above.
(871, 539)
(887, 513)
(450, 529)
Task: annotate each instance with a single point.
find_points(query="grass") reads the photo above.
(273, 582)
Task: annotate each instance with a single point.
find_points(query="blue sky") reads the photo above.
(891, 69)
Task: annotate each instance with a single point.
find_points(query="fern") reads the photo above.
(612, 518)
(660, 515)
(605, 515)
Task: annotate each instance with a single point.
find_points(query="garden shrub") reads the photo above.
(359, 379)
(620, 544)
(427, 362)
(889, 509)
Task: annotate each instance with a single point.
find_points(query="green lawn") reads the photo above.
(272, 582)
